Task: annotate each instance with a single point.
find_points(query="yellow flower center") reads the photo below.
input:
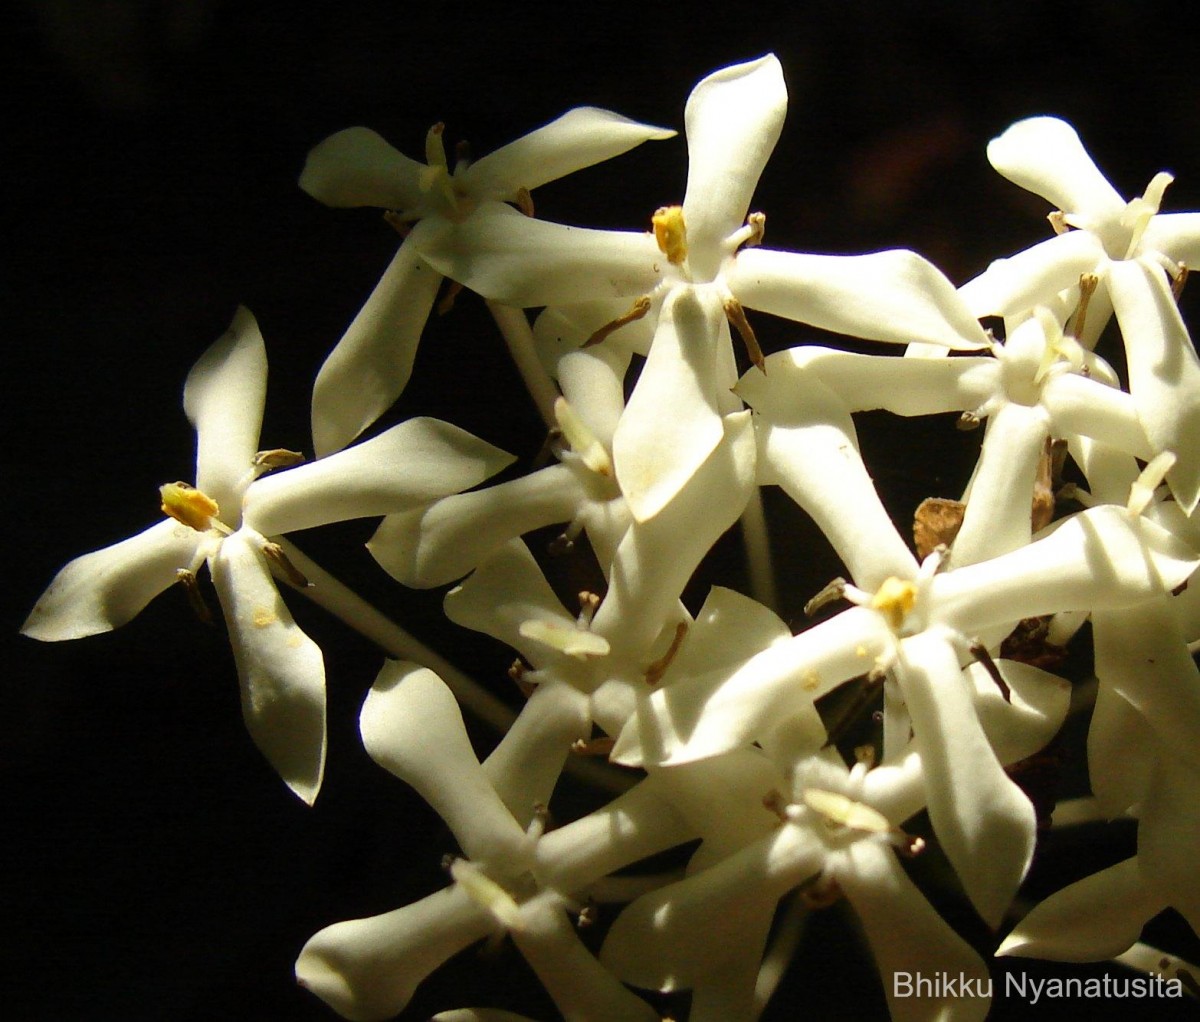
(895, 599)
(194, 508)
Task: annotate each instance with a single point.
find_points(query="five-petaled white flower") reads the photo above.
(225, 519)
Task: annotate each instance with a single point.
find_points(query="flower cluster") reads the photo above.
(776, 762)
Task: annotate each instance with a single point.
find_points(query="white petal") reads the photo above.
(1177, 235)
(579, 138)
(772, 685)
(1169, 834)
(566, 328)
(1141, 652)
(1080, 405)
(368, 969)
(1044, 155)
(511, 258)
(280, 668)
(411, 725)
(672, 422)
(223, 398)
(903, 386)
(356, 167)
(1034, 276)
(733, 119)
(908, 938)
(656, 558)
(438, 544)
(1121, 753)
(809, 447)
(411, 464)
(479, 1015)
(984, 822)
(580, 986)
(525, 766)
(1164, 372)
(102, 590)
(997, 518)
(894, 296)
(505, 591)
(1024, 723)
(369, 367)
(1091, 920)
(1095, 560)
(669, 939)
(593, 382)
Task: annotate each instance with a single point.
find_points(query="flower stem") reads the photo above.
(343, 603)
(518, 336)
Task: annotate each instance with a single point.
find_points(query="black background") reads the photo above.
(156, 868)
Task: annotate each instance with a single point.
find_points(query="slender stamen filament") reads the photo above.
(737, 318)
(636, 311)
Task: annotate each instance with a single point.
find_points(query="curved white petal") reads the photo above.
(411, 726)
(281, 669)
(894, 296)
(1095, 560)
(223, 399)
(733, 119)
(1033, 277)
(1085, 406)
(356, 167)
(903, 386)
(669, 939)
(998, 515)
(1164, 372)
(506, 590)
(100, 591)
(1029, 718)
(771, 686)
(412, 463)
(1141, 652)
(1093, 919)
(984, 822)
(909, 939)
(1177, 235)
(1045, 156)
(579, 138)
(580, 986)
(672, 421)
(593, 382)
(370, 365)
(656, 558)
(1121, 753)
(808, 446)
(511, 258)
(525, 766)
(368, 969)
(434, 545)
(1169, 834)
(565, 328)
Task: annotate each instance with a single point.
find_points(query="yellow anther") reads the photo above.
(435, 148)
(566, 638)
(436, 175)
(486, 893)
(1141, 210)
(895, 599)
(186, 504)
(670, 232)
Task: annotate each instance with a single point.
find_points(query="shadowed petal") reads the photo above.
(579, 138)
(1164, 373)
(102, 590)
(1034, 276)
(356, 167)
(1169, 834)
(368, 969)
(281, 669)
(1096, 918)
(412, 463)
(371, 364)
(509, 257)
(223, 399)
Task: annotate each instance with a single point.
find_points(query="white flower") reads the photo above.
(225, 519)
(372, 362)
(1133, 249)
(696, 273)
